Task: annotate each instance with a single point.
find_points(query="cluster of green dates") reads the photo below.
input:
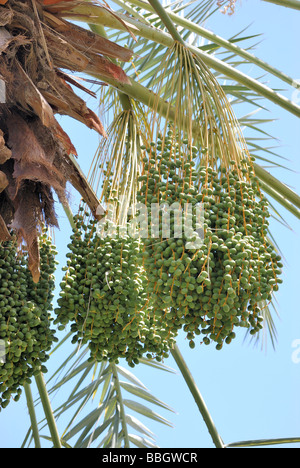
(196, 257)
(26, 335)
(103, 295)
(205, 264)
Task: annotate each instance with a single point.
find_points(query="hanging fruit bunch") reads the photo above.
(25, 316)
(206, 264)
(103, 296)
(220, 272)
(203, 261)
(228, 279)
(169, 192)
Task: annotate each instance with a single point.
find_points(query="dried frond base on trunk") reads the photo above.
(5, 152)
(3, 181)
(36, 155)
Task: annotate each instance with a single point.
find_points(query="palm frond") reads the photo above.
(190, 23)
(294, 4)
(171, 90)
(112, 416)
(94, 14)
(115, 169)
(264, 442)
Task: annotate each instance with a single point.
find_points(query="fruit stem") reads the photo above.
(31, 411)
(40, 382)
(162, 13)
(197, 397)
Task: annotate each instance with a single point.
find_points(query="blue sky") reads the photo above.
(251, 393)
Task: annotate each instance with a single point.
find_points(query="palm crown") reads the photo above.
(172, 117)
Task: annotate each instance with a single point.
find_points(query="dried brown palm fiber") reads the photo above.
(21, 91)
(4, 233)
(32, 178)
(36, 155)
(86, 40)
(46, 50)
(5, 152)
(29, 218)
(49, 87)
(64, 54)
(77, 56)
(67, 9)
(6, 205)
(59, 147)
(63, 38)
(3, 181)
(5, 15)
(23, 212)
(5, 39)
(51, 94)
(40, 163)
(74, 81)
(71, 47)
(65, 102)
(33, 160)
(49, 150)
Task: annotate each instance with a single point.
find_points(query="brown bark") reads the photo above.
(3, 181)
(5, 152)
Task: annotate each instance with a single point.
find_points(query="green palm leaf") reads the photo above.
(99, 17)
(102, 426)
(264, 442)
(295, 4)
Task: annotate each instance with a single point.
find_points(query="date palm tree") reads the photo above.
(154, 64)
